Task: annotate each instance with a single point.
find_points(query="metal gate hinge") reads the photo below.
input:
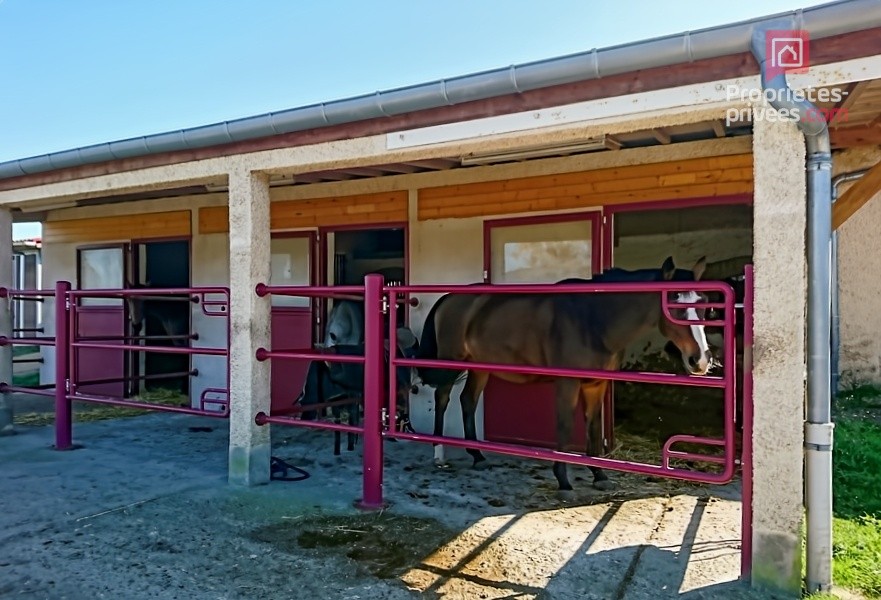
(385, 305)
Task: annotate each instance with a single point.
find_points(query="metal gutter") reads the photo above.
(820, 21)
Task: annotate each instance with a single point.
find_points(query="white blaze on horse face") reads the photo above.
(697, 331)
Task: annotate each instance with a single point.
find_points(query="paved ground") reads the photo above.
(143, 510)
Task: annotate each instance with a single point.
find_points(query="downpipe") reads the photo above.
(818, 426)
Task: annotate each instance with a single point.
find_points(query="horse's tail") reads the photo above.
(428, 350)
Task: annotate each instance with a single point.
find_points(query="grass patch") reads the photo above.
(22, 350)
(856, 528)
(31, 379)
(856, 554)
(857, 465)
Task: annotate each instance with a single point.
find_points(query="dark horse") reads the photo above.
(566, 330)
(327, 381)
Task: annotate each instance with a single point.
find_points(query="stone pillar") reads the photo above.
(249, 260)
(780, 214)
(6, 427)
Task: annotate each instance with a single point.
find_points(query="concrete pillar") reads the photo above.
(6, 415)
(780, 213)
(249, 260)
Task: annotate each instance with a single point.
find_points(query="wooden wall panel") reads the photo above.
(119, 228)
(385, 207)
(692, 178)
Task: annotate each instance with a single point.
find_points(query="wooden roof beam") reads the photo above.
(860, 135)
(662, 136)
(856, 196)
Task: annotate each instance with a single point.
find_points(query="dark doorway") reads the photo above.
(359, 252)
(165, 265)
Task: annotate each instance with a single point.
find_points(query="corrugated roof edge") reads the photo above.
(835, 18)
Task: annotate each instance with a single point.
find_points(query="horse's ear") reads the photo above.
(668, 269)
(699, 267)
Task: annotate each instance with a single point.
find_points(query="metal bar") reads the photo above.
(63, 408)
(204, 399)
(637, 376)
(25, 298)
(72, 355)
(22, 294)
(393, 346)
(373, 379)
(20, 361)
(575, 459)
(262, 419)
(27, 330)
(111, 338)
(569, 288)
(746, 459)
(667, 454)
(43, 341)
(264, 354)
(342, 292)
(176, 298)
(694, 456)
(147, 405)
(301, 408)
(163, 292)
(136, 378)
(158, 349)
(5, 388)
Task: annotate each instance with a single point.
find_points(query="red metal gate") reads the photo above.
(378, 298)
(69, 384)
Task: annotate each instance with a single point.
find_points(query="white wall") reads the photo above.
(210, 267)
(443, 251)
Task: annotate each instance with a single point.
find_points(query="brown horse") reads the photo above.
(564, 330)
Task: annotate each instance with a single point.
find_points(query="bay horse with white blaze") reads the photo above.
(559, 330)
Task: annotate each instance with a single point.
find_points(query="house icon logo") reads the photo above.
(787, 51)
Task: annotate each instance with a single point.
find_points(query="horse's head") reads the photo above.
(690, 340)
(345, 325)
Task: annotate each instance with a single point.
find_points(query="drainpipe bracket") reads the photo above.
(818, 436)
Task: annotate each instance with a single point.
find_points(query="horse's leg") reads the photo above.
(441, 400)
(594, 392)
(468, 399)
(354, 413)
(568, 390)
(336, 432)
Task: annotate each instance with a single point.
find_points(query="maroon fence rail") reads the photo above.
(27, 340)
(376, 309)
(371, 427)
(214, 302)
(67, 340)
(727, 382)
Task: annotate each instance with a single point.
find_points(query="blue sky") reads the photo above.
(74, 73)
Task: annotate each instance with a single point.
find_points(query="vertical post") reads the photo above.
(6, 416)
(373, 378)
(779, 354)
(63, 416)
(249, 443)
(746, 456)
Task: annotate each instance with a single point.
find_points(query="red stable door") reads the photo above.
(535, 250)
(102, 320)
(293, 263)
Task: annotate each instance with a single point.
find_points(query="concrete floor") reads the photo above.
(143, 510)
